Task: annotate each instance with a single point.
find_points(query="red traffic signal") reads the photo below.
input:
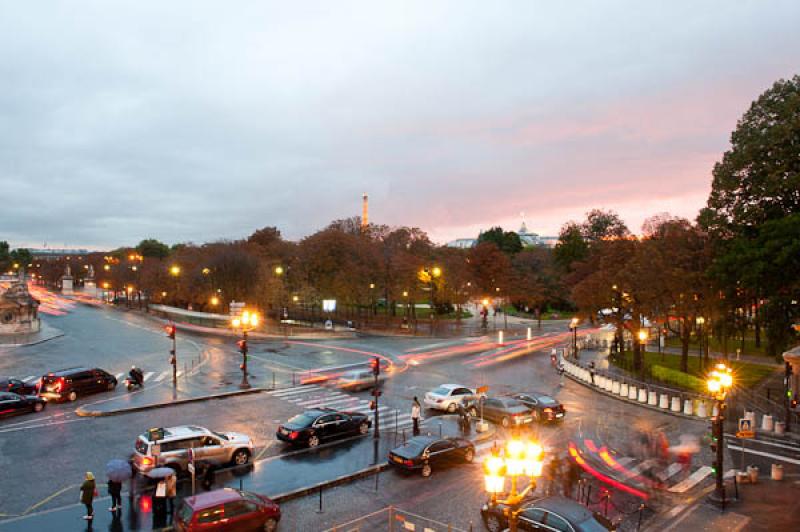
(375, 364)
(242, 346)
(170, 330)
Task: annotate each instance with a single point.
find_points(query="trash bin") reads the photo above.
(753, 472)
(777, 472)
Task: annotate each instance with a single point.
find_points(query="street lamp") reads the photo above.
(175, 270)
(642, 334)
(700, 322)
(278, 270)
(246, 322)
(214, 301)
(720, 380)
(573, 325)
(520, 459)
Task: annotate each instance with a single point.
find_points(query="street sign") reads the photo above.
(190, 467)
(745, 424)
(746, 434)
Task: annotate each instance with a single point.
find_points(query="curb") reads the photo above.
(344, 479)
(82, 412)
(637, 403)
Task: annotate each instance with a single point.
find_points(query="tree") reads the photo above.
(507, 241)
(571, 247)
(5, 257)
(152, 248)
(758, 179)
(491, 269)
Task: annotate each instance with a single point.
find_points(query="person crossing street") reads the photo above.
(88, 492)
(415, 413)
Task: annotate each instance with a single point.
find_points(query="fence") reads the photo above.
(393, 519)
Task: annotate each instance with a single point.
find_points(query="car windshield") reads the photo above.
(545, 400)
(252, 497)
(302, 420)
(441, 391)
(415, 446)
(141, 446)
(220, 435)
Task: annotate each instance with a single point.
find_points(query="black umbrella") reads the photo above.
(118, 470)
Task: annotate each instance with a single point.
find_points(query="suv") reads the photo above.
(169, 448)
(71, 383)
(227, 509)
(10, 384)
(447, 397)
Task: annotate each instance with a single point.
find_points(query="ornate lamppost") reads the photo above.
(520, 460)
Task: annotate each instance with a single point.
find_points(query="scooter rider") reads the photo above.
(136, 376)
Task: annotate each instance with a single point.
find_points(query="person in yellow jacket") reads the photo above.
(88, 492)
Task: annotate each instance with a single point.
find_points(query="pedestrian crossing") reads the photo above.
(310, 396)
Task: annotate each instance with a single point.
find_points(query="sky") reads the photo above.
(193, 121)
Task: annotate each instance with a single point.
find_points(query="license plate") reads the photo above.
(397, 459)
(559, 415)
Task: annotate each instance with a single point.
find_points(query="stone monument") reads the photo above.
(18, 309)
(89, 284)
(66, 281)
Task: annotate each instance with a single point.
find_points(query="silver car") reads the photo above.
(358, 380)
(169, 447)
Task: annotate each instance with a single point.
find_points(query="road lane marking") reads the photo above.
(764, 442)
(766, 454)
(147, 375)
(162, 376)
(670, 472)
(294, 391)
(692, 480)
(15, 429)
(319, 397)
(328, 402)
(284, 390)
(180, 372)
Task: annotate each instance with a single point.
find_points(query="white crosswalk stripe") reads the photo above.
(691, 481)
(162, 376)
(673, 469)
(313, 397)
(180, 372)
(148, 375)
(329, 401)
(294, 391)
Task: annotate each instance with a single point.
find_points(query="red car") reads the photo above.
(227, 509)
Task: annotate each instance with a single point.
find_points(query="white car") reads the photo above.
(447, 397)
(361, 379)
(169, 448)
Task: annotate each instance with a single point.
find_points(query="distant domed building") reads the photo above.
(19, 311)
(527, 238)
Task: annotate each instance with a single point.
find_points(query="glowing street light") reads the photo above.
(278, 270)
(248, 321)
(573, 324)
(214, 301)
(719, 381)
(175, 270)
(520, 459)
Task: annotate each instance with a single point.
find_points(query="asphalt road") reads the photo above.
(49, 453)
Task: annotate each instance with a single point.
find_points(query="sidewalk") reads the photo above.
(283, 477)
(46, 333)
(767, 505)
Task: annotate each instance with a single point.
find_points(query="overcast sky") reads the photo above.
(194, 121)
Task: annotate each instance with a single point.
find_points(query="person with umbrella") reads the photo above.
(172, 489)
(88, 492)
(117, 471)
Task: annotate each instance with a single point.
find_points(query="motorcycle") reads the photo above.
(133, 381)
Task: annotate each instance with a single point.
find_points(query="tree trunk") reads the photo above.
(757, 323)
(637, 357)
(685, 337)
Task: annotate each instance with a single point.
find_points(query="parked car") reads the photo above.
(447, 397)
(360, 379)
(543, 407)
(550, 513)
(10, 384)
(227, 509)
(313, 426)
(506, 411)
(12, 404)
(423, 453)
(72, 383)
(169, 447)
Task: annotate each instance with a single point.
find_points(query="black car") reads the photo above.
(550, 513)
(543, 407)
(12, 404)
(506, 411)
(10, 384)
(313, 426)
(70, 383)
(422, 453)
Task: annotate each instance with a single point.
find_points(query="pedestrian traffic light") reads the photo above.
(372, 405)
(242, 346)
(714, 467)
(170, 330)
(375, 363)
(376, 393)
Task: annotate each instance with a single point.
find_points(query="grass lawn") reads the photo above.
(715, 344)
(745, 374)
(425, 312)
(548, 315)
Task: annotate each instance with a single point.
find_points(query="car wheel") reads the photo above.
(271, 525)
(451, 408)
(38, 407)
(241, 457)
(72, 396)
(426, 470)
(493, 523)
(505, 422)
(313, 440)
(363, 428)
(111, 386)
(469, 456)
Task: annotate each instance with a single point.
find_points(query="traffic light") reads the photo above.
(242, 346)
(788, 369)
(170, 330)
(372, 405)
(375, 363)
(794, 401)
(376, 393)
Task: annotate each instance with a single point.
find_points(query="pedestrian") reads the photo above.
(115, 491)
(571, 478)
(463, 417)
(416, 409)
(591, 371)
(553, 473)
(88, 493)
(561, 374)
(172, 488)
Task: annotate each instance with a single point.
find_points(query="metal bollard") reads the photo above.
(320, 500)
(639, 524)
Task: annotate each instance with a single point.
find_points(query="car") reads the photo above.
(506, 411)
(10, 384)
(12, 404)
(69, 384)
(318, 424)
(360, 379)
(422, 453)
(549, 513)
(168, 447)
(447, 397)
(543, 407)
(227, 509)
